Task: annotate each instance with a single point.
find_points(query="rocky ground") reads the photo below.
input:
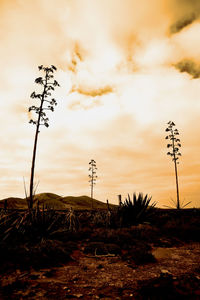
(174, 274)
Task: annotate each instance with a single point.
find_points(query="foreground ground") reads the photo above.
(174, 275)
(156, 260)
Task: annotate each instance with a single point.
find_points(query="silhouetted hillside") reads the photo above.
(50, 200)
(14, 203)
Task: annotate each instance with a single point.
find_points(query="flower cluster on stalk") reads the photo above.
(92, 169)
(174, 143)
(46, 104)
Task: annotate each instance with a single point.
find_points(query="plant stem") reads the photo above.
(35, 148)
(176, 174)
(92, 186)
(177, 188)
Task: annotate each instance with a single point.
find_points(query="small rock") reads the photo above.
(164, 273)
(78, 295)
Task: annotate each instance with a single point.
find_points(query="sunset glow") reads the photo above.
(125, 68)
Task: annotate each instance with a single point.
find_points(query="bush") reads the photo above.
(135, 211)
(31, 225)
(183, 230)
(140, 254)
(37, 255)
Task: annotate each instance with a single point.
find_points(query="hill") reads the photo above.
(51, 200)
(14, 203)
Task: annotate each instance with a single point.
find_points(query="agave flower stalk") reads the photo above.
(46, 103)
(92, 176)
(174, 152)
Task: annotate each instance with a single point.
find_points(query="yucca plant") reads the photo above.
(8, 224)
(137, 210)
(40, 224)
(31, 225)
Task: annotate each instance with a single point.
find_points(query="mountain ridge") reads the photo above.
(51, 200)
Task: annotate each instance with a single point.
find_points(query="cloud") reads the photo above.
(182, 23)
(190, 67)
(92, 92)
(185, 12)
(76, 56)
(88, 97)
(84, 104)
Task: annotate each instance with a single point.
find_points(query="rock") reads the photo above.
(164, 272)
(78, 295)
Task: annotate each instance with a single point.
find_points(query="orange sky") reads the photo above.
(126, 68)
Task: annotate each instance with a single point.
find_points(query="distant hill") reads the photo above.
(55, 201)
(14, 203)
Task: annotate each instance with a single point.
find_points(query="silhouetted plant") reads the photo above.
(99, 218)
(72, 220)
(92, 177)
(48, 85)
(174, 145)
(174, 204)
(135, 211)
(8, 222)
(31, 225)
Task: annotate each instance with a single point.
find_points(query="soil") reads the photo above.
(175, 274)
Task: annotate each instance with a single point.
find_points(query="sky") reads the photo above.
(125, 68)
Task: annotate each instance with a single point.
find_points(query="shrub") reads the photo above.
(140, 254)
(37, 255)
(30, 225)
(135, 211)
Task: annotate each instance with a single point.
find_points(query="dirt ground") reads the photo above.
(174, 275)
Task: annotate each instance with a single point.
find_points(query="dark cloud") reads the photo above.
(185, 13)
(182, 23)
(189, 67)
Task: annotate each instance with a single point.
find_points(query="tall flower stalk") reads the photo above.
(174, 145)
(92, 177)
(45, 103)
